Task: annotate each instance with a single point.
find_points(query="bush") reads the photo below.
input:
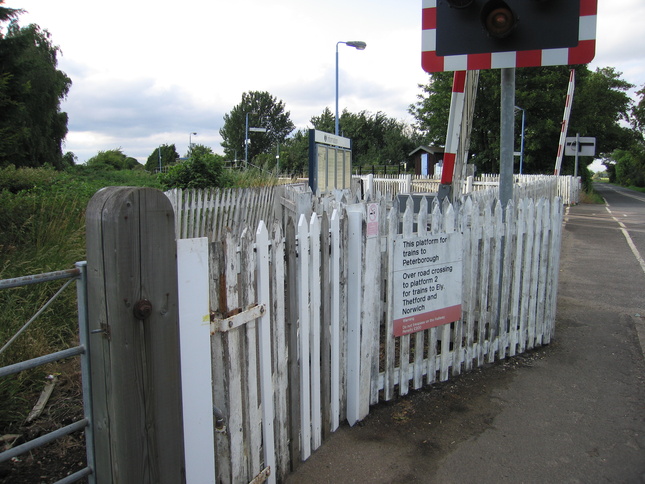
(203, 169)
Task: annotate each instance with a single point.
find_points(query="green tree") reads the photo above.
(32, 126)
(600, 104)
(69, 159)
(169, 156)
(294, 154)
(376, 138)
(627, 166)
(326, 121)
(264, 111)
(7, 14)
(203, 169)
(638, 113)
(113, 159)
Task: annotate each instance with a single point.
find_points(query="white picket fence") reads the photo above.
(301, 318)
(483, 186)
(200, 212)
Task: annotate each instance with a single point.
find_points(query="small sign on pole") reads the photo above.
(580, 146)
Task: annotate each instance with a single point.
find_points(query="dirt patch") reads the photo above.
(62, 457)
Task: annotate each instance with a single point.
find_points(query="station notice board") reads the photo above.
(426, 280)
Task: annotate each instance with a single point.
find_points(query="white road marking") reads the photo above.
(630, 242)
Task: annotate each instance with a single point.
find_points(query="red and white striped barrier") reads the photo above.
(565, 121)
(454, 125)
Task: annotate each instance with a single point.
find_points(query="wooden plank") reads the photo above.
(304, 317)
(265, 344)
(526, 276)
(370, 317)
(404, 341)
(344, 309)
(390, 342)
(233, 350)
(136, 362)
(419, 336)
(196, 376)
(101, 377)
(475, 236)
(220, 360)
(517, 278)
(508, 256)
(444, 331)
(554, 265)
(354, 264)
(378, 301)
(325, 323)
(535, 263)
(249, 363)
(484, 281)
(281, 358)
(335, 349)
(315, 338)
(292, 332)
(449, 226)
(495, 287)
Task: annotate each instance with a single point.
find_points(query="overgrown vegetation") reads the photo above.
(42, 229)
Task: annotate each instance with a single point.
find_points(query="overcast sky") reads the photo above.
(149, 72)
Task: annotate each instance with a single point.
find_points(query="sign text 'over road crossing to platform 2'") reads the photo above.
(426, 280)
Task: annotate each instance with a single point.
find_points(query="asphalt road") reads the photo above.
(569, 412)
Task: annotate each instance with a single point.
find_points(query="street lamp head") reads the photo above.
(358, 44)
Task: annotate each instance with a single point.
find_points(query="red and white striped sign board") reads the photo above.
(583, 53)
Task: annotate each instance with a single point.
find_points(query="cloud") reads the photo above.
(156, 71)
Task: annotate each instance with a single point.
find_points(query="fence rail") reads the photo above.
(283, 302)
(79, 274)
(567, 188)
(333, 351)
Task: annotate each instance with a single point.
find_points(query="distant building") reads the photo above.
(426, 160)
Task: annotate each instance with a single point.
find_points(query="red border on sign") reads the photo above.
(431, 319)
(583, 53)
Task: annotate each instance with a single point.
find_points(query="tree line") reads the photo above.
(33, 127)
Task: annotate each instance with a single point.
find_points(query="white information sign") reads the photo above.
(427, 277)
(584, 146)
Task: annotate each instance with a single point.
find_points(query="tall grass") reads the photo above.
(42, 229)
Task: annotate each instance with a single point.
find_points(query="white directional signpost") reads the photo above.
(427, 274)
(579, 146)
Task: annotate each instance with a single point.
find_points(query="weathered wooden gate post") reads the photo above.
(134, 345)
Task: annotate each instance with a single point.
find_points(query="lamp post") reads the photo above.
(522, 142)
(190, 141)
(357, 44)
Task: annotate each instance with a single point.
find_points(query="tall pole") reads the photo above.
(506, 136)
(246, 142)
(190, 141)
(357, 44)
(522, 137)
(575, 169)
(336, 118)
(522, 144)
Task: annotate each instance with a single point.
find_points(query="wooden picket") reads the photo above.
(312, 338)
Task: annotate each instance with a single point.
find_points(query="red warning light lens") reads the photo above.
(499, 21)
